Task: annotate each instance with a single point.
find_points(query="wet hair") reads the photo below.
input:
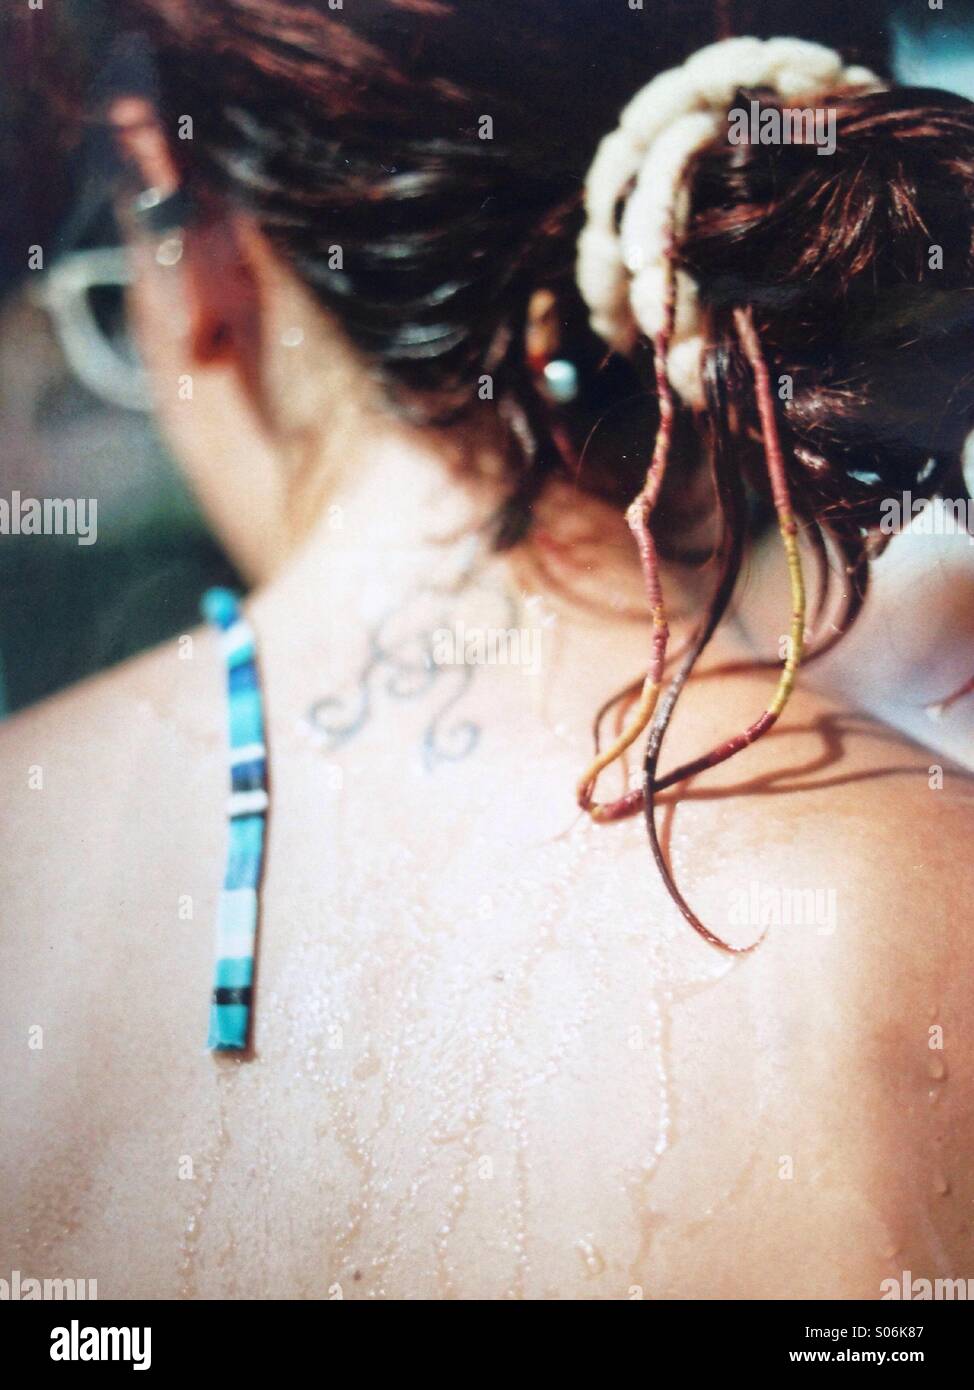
(837, 291)
(838, 294)
(361, 128)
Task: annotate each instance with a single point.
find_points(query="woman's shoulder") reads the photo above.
(834, 802)
(844, 848)
(97, 771)
(142, 702)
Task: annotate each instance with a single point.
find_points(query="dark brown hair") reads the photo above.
(860, 268)
(360, 127)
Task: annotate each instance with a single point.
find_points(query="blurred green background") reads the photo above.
(68, 610)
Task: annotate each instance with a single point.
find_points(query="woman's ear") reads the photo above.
(220, 283)
(224, 305)
(217, 286)
(196, 308)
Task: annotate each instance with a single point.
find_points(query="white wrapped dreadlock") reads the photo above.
(622, 269)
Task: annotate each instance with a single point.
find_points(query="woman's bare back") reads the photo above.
(492, 1061)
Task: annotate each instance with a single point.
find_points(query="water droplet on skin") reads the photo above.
(192, 1231)
(367, 1066)
(937, 1067)
(941, 1185)
(591, 1258)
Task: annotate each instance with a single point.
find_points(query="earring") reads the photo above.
(561, 380)
(557, 376)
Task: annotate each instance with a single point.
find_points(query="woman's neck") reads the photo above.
(401, 542)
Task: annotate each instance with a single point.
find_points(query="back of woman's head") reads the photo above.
(420, 164)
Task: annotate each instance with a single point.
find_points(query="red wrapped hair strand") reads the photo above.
(744, 322)
(729, 487)
(639, 517)
(731, 500)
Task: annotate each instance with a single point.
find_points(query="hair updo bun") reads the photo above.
(859, 266)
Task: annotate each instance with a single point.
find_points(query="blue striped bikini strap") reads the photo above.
(231, 1006)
